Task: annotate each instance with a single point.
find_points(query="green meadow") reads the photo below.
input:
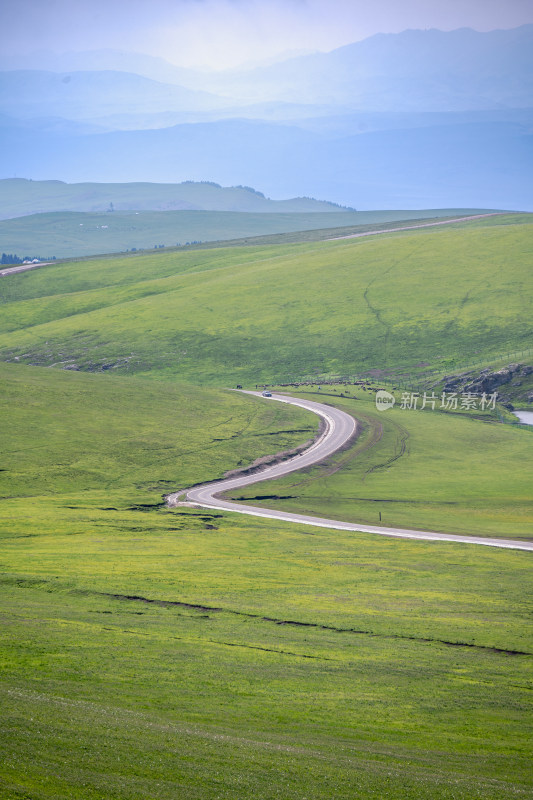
(180, 654)
(261, 314)
(159, 653)
(70, 234)
(71, 432)
(74, 233)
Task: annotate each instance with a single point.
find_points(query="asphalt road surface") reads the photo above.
(23, 268)
(339, 428)
(415, 227)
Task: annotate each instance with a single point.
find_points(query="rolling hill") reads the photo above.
(19, 197)
(141, 441)
(75, 234)
(258, 314)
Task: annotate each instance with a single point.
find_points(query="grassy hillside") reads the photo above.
(218, 656)
(20, 197)
(195, 688)
(72, 234)
(230, 315)
(74, 433)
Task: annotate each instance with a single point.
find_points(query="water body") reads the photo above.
(525, 417)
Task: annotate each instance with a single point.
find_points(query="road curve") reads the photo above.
(339, 428)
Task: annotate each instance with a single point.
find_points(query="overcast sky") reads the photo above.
(226, 33)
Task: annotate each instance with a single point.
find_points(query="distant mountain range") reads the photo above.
(417, 119)
(417, 70)
(30, 94)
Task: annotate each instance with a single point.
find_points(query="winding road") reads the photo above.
(339, 428)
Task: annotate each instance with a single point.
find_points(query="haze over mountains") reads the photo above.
(417, 119)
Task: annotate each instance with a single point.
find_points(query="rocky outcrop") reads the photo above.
(487, 381)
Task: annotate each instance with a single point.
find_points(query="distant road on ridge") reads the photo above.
(415, 227)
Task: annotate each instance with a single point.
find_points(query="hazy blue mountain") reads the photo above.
(97, 60)
(90, 95)
(113, 100)
(487, 164)
(415, 70)
(57, 125)
(183, 152)
(359, 122)
(273, 112)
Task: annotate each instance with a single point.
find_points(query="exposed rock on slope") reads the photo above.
(516, 378)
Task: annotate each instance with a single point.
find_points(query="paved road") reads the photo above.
(415, 227)
(23, 268)
(339, 428)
